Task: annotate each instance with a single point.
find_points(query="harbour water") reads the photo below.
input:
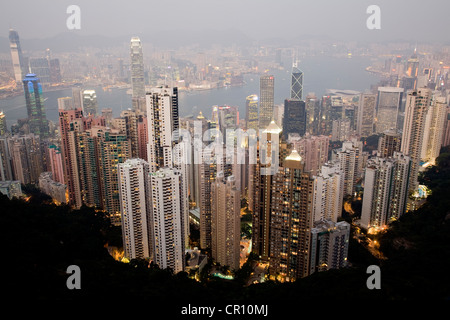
(320, 73)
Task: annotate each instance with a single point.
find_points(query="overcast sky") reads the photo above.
(346, 19)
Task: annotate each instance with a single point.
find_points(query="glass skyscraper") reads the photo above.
(16, 55)
(37, 119)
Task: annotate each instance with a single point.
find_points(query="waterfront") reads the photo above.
(320, 73)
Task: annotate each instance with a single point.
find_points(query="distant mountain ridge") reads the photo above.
(72, 41)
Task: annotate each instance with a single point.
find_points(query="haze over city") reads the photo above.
(273, 151)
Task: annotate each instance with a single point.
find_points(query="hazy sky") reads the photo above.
(344, 19)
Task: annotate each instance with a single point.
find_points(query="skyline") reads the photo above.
(204, 149)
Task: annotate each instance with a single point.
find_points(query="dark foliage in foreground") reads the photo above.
(41, 240)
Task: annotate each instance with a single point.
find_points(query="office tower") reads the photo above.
(365, 115)
(135, 207)
(225, 222)
(137, 75)
(41, 67)
(290, 220)
(3, 127)
(228, 118)
(329, 245)
(163, 121)
(167, 228)
(266, 100)
(142, 132)
(328, 193)
(296, 82)
(324, 116)
(412, 71)
(6, 169)
(341, 130)
(56, 163)
(294, 120)
(336, 108)
(65, 103)
(90, 104)
(54, 189)
(388, 143)
(349, 114)
(278, 114)
(26, 157)
(385, 190)
(19, 67)
(416, 109)
(388, 107)
(312, 113)
(55, 71)
(251, 103)
(350, 159)
(35, 106)
(434, 127)
(77, 96)
(313, 150)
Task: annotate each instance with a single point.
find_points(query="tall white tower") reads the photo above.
(417, 105)
(135, 208)
(167, 228)
(137, 75)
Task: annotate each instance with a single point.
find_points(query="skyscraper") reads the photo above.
(90, 104)
(328, 193)
(72, 124)
(388, 143)
(19, 66)
(350, 159)
(3, 127)
(388, 107)
(251, 103)
(137, 75)
(135, 208)
(266, 100)
(225, 214)
(312, 114)
(290, 220)
(313, 150)
(34, 99)
(365, 115)
(296, 82)
(434, 128)
(6, 168)
(416, 109)
(294, 120)
(385, 190)
(127, 124)
(167, 226)
(99, 151)
(163, 121)
(26, 157)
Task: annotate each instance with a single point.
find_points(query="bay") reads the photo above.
(320, 73)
